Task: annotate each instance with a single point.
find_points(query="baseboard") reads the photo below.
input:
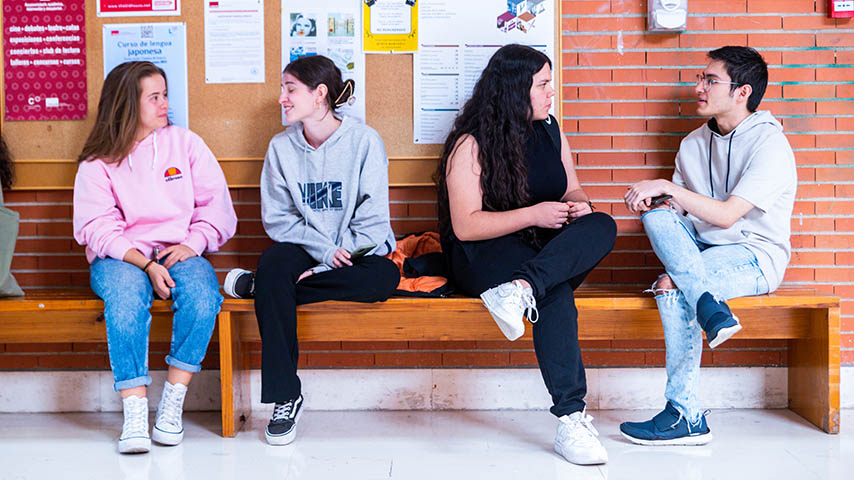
(416, 389)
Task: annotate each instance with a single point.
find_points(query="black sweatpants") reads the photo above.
(277, 294)
(553, 272)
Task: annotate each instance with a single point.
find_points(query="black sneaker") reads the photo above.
(239, 283)
(282, 428)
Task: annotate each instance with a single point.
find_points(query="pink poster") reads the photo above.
(44, 57)
(135, 8)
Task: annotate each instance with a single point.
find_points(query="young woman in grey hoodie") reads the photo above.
(324, 201)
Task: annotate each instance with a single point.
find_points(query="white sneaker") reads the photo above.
(168, 428)
(509, 304)
(135, 437)
(576, 440)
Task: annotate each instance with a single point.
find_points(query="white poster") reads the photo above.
(163, 44)
(234, 41)
(455, 44)
(331, 28)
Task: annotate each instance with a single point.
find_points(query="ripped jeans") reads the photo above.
(725, 271)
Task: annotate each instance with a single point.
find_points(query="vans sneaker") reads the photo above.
(282, 428)
(168, 428)
(509, 304)
(239, 283)
(576, 440)
(135, 437)
(669, 427)
(717, 320)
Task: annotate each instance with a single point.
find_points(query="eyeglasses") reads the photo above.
(708, 82)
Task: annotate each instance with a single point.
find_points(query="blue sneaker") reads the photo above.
(669, 427)
(716, 319)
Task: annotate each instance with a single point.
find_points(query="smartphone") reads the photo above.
(361, 251)
(656, 201)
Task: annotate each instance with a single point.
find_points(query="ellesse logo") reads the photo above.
(172, 173)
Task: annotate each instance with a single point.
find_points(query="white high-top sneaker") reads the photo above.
(509, 304)
(135, 437)
(168, 428)
(576, 440)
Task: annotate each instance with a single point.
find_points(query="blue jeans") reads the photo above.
(127, 294)
(725, 271)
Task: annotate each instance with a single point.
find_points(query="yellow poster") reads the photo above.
(390, 26)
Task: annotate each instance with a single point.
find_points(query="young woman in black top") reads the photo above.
(520, 232)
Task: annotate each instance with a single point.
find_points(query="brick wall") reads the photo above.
(627, 103)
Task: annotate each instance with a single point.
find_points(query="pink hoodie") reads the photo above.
(169, 190)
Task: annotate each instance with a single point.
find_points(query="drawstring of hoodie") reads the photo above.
(154, 144)
(728, 162)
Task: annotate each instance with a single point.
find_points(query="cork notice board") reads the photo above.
(235, 120)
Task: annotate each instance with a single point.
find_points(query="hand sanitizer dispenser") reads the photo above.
(667, 15)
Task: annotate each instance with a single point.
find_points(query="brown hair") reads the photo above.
(112, 136)
(317, 69)
(7, 169)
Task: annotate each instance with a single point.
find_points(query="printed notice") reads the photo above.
(163, 44)
(138, 8)
(44, 59)
(456, 42)
(234, 41)
(391, 26)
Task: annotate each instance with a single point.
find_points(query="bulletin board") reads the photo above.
(236, 121)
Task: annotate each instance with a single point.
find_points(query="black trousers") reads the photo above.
(277, 294)
(554, 272)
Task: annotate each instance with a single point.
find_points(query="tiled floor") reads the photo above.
(749, 444)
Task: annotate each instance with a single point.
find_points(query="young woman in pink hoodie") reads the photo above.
(149, 200)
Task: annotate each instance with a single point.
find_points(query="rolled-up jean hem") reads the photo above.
(187, 367)
(132, 383)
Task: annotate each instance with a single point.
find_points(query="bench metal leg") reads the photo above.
(814, 371)
(234, 376)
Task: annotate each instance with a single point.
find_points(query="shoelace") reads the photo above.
(135, 420)
(529, 303)
(282, 411)
(584, 423)
(170, 411)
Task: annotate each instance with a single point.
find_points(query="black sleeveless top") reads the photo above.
(546, 175)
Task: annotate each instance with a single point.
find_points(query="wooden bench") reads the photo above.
(809, 319)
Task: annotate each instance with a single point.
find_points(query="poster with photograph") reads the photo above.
(163, 44)
(139, 8)
(44, 60)
(330, 28)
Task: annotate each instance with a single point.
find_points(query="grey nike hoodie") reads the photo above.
(334, 196)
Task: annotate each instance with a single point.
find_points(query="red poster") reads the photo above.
(44, 59)
(130, 8)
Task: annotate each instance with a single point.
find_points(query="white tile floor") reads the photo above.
(749, 444)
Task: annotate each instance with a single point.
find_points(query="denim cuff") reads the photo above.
(172, 361)
(132, 383)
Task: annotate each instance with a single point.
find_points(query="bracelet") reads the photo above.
(590, 204)
(147, 265)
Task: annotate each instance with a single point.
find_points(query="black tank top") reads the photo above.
(546, 175)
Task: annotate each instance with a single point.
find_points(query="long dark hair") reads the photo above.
(499, 117)
(7, 169)
(316, 70)
(112, 136)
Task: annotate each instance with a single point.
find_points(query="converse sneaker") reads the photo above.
(168, 428)
(509, 304)
(135, 437)
(669, 427)
(282, 428)
(717, 320)
(576, 440)
(239, 283)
